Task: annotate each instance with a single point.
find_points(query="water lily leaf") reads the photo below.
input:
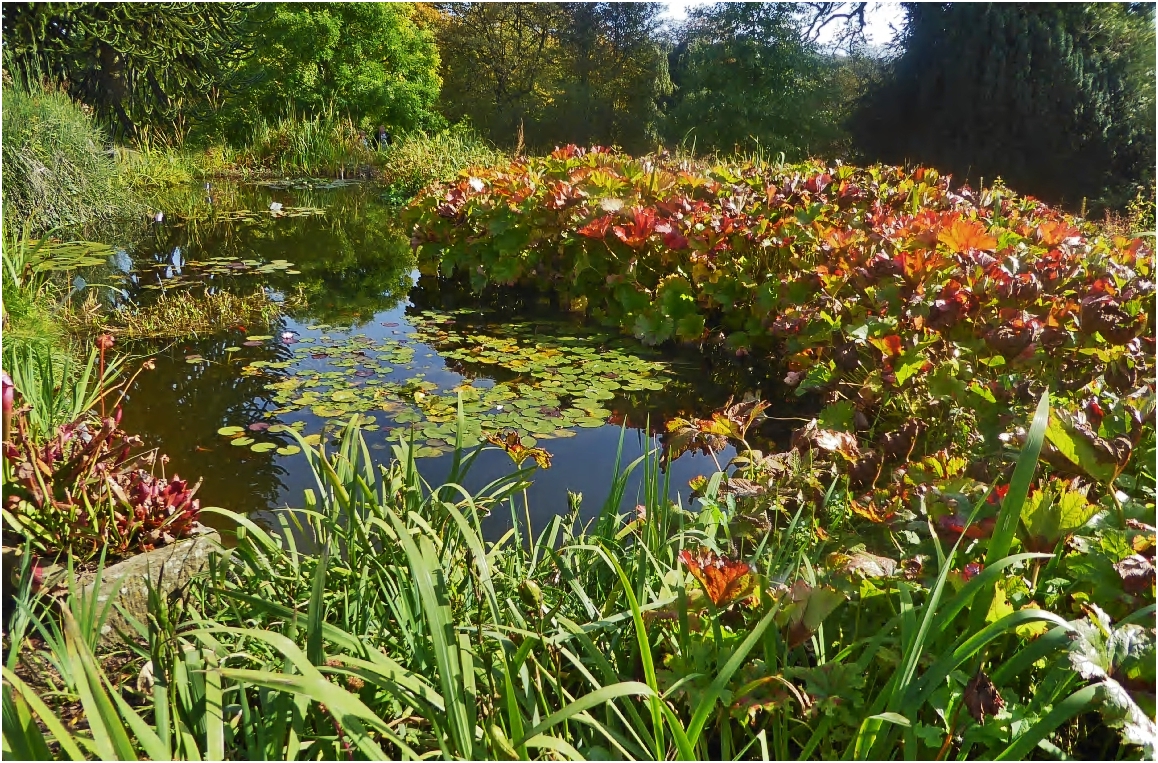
(262, 447)
(259, 337)
(288, 450)
(240, 441)
(230, 431)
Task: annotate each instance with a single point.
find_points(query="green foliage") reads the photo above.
(1057, 99)
(365, 62)
(417, 159)
(658, 634)
(57, 172)
(144, 68)
(319, 145)
(931, 316)
(553, 73)
(747, 80)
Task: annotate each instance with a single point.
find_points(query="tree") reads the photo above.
(367, 61)
(1057, 99)
(614, 74)
(745, 77)
(141, 66)
(498, 60)
(558, 72)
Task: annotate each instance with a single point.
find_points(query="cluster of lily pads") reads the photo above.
(194, 272)
(254, 216)
(555, 382)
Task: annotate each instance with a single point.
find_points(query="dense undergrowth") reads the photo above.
(928, 320)
(377, 624)
(955, 559)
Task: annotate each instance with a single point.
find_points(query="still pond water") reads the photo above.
(364, 333)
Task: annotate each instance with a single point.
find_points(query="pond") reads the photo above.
(363, 332)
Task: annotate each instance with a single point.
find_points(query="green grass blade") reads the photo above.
(586, 702)
(23, 739)
(708, 701)
(1011, 505)
(349, 711)
(109, 734)
(1080, 701)
(60, 734)
(436, 611)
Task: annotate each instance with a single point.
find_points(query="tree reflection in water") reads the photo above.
(179, 407)
(353, 264)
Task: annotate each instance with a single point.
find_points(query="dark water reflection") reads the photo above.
(356, 271)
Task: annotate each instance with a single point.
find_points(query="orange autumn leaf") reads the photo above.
(509, 441)
(1053, 232)
(724, 580)
(872, 512)
(964, 235)
(597, 228)
(890, 346)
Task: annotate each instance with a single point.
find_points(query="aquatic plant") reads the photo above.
(924, 318)
(74, 483)
(561, 377)
(180, 313)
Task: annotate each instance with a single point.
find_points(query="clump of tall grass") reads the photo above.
(58, 171)
(31, 302)
(315, 146)
(417, 159)
(177, 314)
(376, 622)
(148, 167)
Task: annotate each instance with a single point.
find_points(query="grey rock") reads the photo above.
(169, 567)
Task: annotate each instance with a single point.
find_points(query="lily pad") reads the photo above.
(241, 441)
(288, 450)
(262, 447)
(230, 431)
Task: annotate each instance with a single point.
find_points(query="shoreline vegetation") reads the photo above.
(954, 559)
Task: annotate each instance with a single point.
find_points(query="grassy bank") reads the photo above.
(389, 629)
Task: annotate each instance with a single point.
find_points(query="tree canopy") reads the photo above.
(560, 72)
(140, 66)
(1058, 99)
(746, 76)
(368, 61)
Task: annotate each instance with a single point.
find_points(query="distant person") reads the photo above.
(382, 138)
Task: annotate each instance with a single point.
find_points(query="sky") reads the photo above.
(883, 20)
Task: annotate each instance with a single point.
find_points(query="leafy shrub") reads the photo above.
(83, 491)
(924, 318)
(57, 172)
(74, 483)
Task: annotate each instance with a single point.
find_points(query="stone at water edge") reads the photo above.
(169, 567)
